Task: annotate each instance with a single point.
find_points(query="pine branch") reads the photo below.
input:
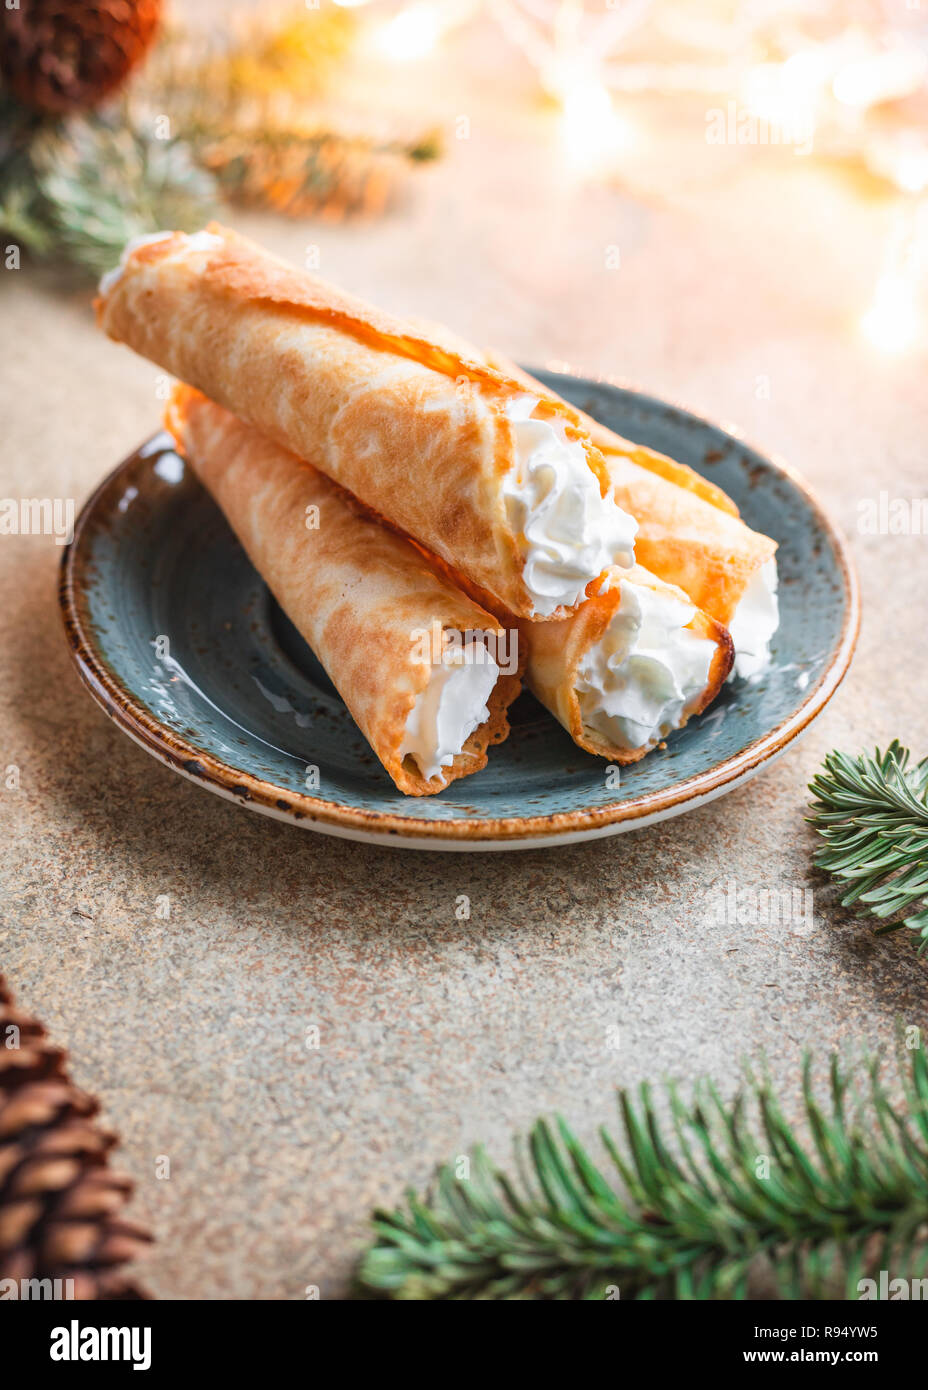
(301, 173)
(718, 1202)
(240, 126)
(81, 188)
(873, 815)
(250, 111)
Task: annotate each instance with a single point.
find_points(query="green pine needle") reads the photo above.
(873, 815)
(75, 189)
(81, 188)
(721, 1201)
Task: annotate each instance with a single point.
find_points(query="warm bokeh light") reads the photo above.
(902, 158)
(411, 34)
(880, 77)
(592, 130)
(892, 323)
(786, 94)
(910, 171)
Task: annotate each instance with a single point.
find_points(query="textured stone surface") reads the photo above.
(433, 1032)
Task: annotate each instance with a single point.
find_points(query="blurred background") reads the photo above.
(723, 203)
(648, 187)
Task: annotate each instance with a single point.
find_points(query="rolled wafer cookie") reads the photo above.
(636, 662)
(690, 534)
(427, 674)
(502, 483)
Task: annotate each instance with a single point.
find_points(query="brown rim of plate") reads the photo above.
(200, 766)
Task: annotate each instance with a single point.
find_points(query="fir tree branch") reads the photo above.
(873, 815)
(240, 127)
(719, 1201)
(77, 190)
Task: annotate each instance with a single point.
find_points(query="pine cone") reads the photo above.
(60, 1202)
(67, 55)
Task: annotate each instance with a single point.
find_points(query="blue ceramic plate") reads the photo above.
(178, 639)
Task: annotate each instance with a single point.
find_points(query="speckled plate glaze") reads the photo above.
(237, 702)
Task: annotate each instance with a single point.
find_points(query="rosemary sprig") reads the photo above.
(873, 815)
(721, 1201)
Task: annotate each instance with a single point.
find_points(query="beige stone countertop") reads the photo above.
(739, 290)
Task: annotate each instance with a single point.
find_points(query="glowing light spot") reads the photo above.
(880, 77)
(411, 34)
(786, 94)
(593, 131)
(892, 322)
(901, 157)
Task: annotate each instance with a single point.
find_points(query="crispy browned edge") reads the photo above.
(494, 730)
(274, 281)
(195, 763)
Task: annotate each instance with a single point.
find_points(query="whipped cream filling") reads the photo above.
(636, 682)
(450, 708)
(754, 622)
(568, 532)
(196, 241)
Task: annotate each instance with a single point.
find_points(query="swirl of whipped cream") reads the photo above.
(636, 682)
(450, 708)
(754, 622)
(568, 531)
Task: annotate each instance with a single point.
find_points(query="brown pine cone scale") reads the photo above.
(60, 56)
(60, 1203)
